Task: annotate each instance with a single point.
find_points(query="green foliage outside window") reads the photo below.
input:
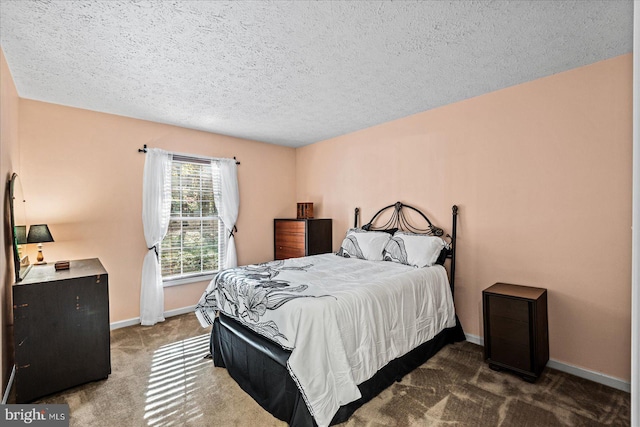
(191, 244)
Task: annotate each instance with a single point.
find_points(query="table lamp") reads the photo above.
(39, 234)
(21, 238)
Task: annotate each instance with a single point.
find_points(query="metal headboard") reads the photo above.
(399, 221)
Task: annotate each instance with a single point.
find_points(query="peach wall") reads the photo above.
(9, 163)
(82, 175)
(542, 174)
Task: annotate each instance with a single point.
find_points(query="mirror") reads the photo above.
(18, 228)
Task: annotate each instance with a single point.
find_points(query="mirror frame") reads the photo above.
(17, 265)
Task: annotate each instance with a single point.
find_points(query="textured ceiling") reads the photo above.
(295, 72)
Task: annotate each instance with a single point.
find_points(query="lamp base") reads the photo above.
(40, 258)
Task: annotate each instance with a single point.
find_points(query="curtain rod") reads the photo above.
(144, 150)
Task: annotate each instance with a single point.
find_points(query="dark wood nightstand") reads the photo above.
(301, 237)
(516, 331)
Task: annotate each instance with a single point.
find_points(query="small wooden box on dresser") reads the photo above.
(61, 328)
(516, 331)
(301, 237)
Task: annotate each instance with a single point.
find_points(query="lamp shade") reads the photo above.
(21, 234)
(39, 234)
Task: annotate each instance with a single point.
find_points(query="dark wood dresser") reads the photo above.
(516, 332)
(61, 328)
(301, 237)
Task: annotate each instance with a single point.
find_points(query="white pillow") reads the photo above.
(359, 243)
(419, 250)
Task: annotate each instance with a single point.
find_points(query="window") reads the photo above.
(192, 246)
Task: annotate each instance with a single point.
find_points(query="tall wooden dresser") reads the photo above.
(61, 328)
(301, 237)
(516, 331)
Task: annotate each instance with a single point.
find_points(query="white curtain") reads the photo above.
(227, 198)
(156, 209)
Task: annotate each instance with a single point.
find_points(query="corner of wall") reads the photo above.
(9, 162)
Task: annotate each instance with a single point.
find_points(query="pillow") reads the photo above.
(359, 243)
(418, 250)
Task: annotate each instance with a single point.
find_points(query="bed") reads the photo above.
(312, 339)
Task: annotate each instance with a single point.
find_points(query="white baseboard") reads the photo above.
(136, 320)
(591, 375)
(474, 339)
(587, 374)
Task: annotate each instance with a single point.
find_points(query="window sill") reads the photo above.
(188, 279)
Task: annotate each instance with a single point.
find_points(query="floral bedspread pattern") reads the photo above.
(246, 293)
(342, 318)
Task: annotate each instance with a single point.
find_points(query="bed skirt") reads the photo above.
(259, 367)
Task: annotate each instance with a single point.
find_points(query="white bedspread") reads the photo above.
(342, 318)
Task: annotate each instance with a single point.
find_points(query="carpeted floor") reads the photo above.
(159, 378)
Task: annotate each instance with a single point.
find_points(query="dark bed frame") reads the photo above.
(259, 365)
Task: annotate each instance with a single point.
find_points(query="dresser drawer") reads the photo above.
(511, 353)
(288, 238)
(510, 330)
(509, 308)
(284, 252)
(290, 226)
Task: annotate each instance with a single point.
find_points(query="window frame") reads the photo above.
(194, 277)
